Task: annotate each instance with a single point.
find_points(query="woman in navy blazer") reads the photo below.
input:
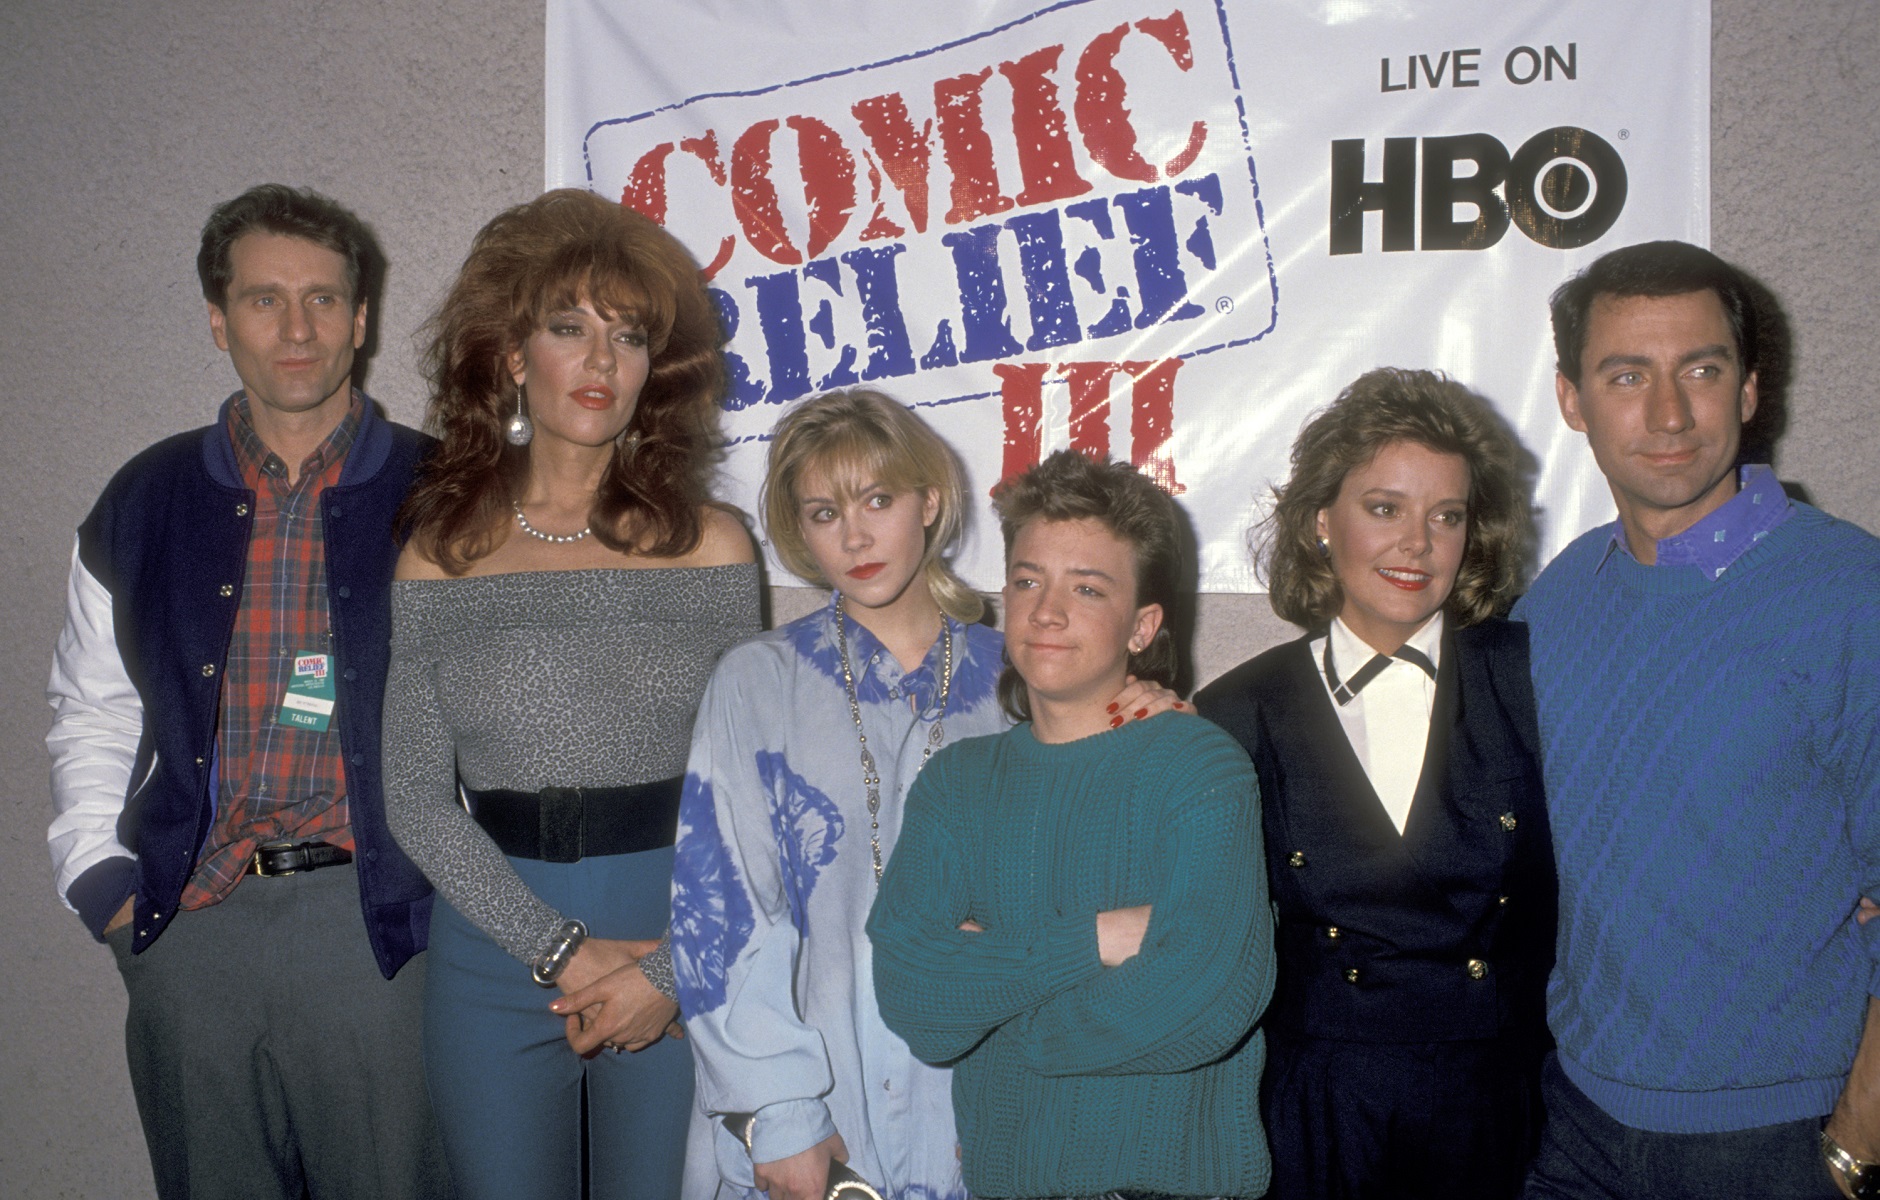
(1410, 866)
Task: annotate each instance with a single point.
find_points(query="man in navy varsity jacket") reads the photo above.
(216, 746)
(1707, 676)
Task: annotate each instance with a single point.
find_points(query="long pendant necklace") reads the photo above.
(871, 778)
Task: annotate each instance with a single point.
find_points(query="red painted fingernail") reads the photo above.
(1141, 713)
(1115, 721)
(1179, 704)
(1112, 707)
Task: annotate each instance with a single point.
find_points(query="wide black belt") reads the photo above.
(565, 825)
(288, 858)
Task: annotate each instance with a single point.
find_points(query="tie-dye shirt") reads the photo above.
(774, 845)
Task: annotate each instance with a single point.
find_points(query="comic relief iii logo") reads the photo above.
(1066, 199)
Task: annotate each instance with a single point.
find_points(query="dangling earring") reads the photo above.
(520, 430)
(629, 445)
(1325, 548)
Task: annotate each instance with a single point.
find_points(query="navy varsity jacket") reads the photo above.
(137, 677)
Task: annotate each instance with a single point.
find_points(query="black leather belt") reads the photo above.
(287, 858)
(565, 825)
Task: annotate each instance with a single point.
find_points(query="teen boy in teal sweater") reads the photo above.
(1076, 915)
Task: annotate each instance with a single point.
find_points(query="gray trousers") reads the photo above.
(271, 1059)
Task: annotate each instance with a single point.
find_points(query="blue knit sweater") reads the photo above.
(1713, 777)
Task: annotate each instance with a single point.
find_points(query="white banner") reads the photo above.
(1163, 230)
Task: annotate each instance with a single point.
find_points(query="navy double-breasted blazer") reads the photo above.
(1443, 932)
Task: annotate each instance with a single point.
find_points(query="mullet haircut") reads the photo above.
(1069, 486)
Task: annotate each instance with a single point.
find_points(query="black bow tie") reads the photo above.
(1348, 691)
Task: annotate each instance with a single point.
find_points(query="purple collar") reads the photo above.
(1723, 535)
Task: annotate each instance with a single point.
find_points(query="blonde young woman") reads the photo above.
(565, 593)
(806, 744)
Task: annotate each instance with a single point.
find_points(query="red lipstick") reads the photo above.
(867, 570)
(1405, 578)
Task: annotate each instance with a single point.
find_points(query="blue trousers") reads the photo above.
(505, 1085)
(1586, 1155)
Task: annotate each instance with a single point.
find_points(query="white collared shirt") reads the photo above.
(1388, 723)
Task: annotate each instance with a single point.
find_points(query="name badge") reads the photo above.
(310, 693)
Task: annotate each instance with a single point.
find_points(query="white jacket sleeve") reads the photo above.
(98, 718)
(735, 946)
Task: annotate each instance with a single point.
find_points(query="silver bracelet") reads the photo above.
(1863, 1178)
(550, 963)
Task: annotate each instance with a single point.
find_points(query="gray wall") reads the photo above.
(125, 121)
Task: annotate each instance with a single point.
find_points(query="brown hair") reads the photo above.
(291, 212)
(1652, 269)
(1069, 486)
(528, 262)
(1381, 407)
(859, 437)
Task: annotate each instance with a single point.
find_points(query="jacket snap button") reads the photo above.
(1351, 976)
(1296, 859)
(227, 589)
(1508, 821)
(1478, 969)
(208, 669)
(1333, 932)
(346, 593)
(241, 510)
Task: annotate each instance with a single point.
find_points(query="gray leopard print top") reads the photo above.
(542, 679)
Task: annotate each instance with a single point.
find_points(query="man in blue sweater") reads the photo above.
(1707, 671)
(215, 748)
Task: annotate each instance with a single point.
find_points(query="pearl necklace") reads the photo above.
(560, 539)
(871, 778)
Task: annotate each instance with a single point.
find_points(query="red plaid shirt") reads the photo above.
(276, 782)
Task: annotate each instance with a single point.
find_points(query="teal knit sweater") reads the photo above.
(1071, 1078)
(1712, 756)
